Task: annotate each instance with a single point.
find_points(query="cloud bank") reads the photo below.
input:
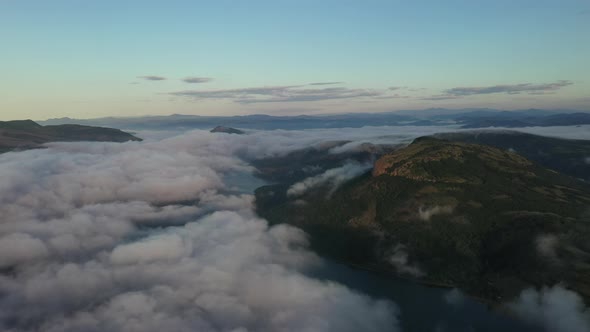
(148, 237)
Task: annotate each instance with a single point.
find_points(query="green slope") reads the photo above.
(476, 217)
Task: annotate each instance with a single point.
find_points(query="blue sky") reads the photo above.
(126, 58)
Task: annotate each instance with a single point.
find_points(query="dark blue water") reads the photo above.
(423, 308)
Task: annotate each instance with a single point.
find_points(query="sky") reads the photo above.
(86, 59)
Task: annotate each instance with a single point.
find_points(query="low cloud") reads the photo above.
(334, 177)
(18, 248)
(455, 297)
(196, 80)
(547, 245)
(553, 309)
(427, 213)
(400, 260)
(570, 132)
(152, 78)
(147, 236)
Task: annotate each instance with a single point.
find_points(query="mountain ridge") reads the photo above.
(27, 134)
(476, 217)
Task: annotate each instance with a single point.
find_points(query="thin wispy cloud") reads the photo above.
(271, 94)
(510, 89)
(440, 97)
(152, 78)
(393, 96)
(234, 93)
(196, 80)
(315, 92)
(529, 88)
(325, 83)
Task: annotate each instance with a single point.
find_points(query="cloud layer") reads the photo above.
(148, 237)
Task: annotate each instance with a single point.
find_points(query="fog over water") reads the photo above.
(161, 235)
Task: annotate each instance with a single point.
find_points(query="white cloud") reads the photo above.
(546, 245)
(146, 237)
(334, 177)
(400, 260)
(553, 309)
(19, 248)
(155, 248)
(427, 213)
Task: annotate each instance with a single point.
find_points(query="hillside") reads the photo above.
(567, 156)
(227, 130)
(461, 215)
(27, 134)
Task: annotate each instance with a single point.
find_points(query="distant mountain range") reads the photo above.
(27, 134)
(450, 212)
(466, 118)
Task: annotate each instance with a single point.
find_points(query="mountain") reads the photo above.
(300, 164)
(454, 214)
(515, 119)
(254, 121)
(568, 156)
(227, 130)
(468, 118)
(27, 134)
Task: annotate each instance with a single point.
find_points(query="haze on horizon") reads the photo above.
(112, 58)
